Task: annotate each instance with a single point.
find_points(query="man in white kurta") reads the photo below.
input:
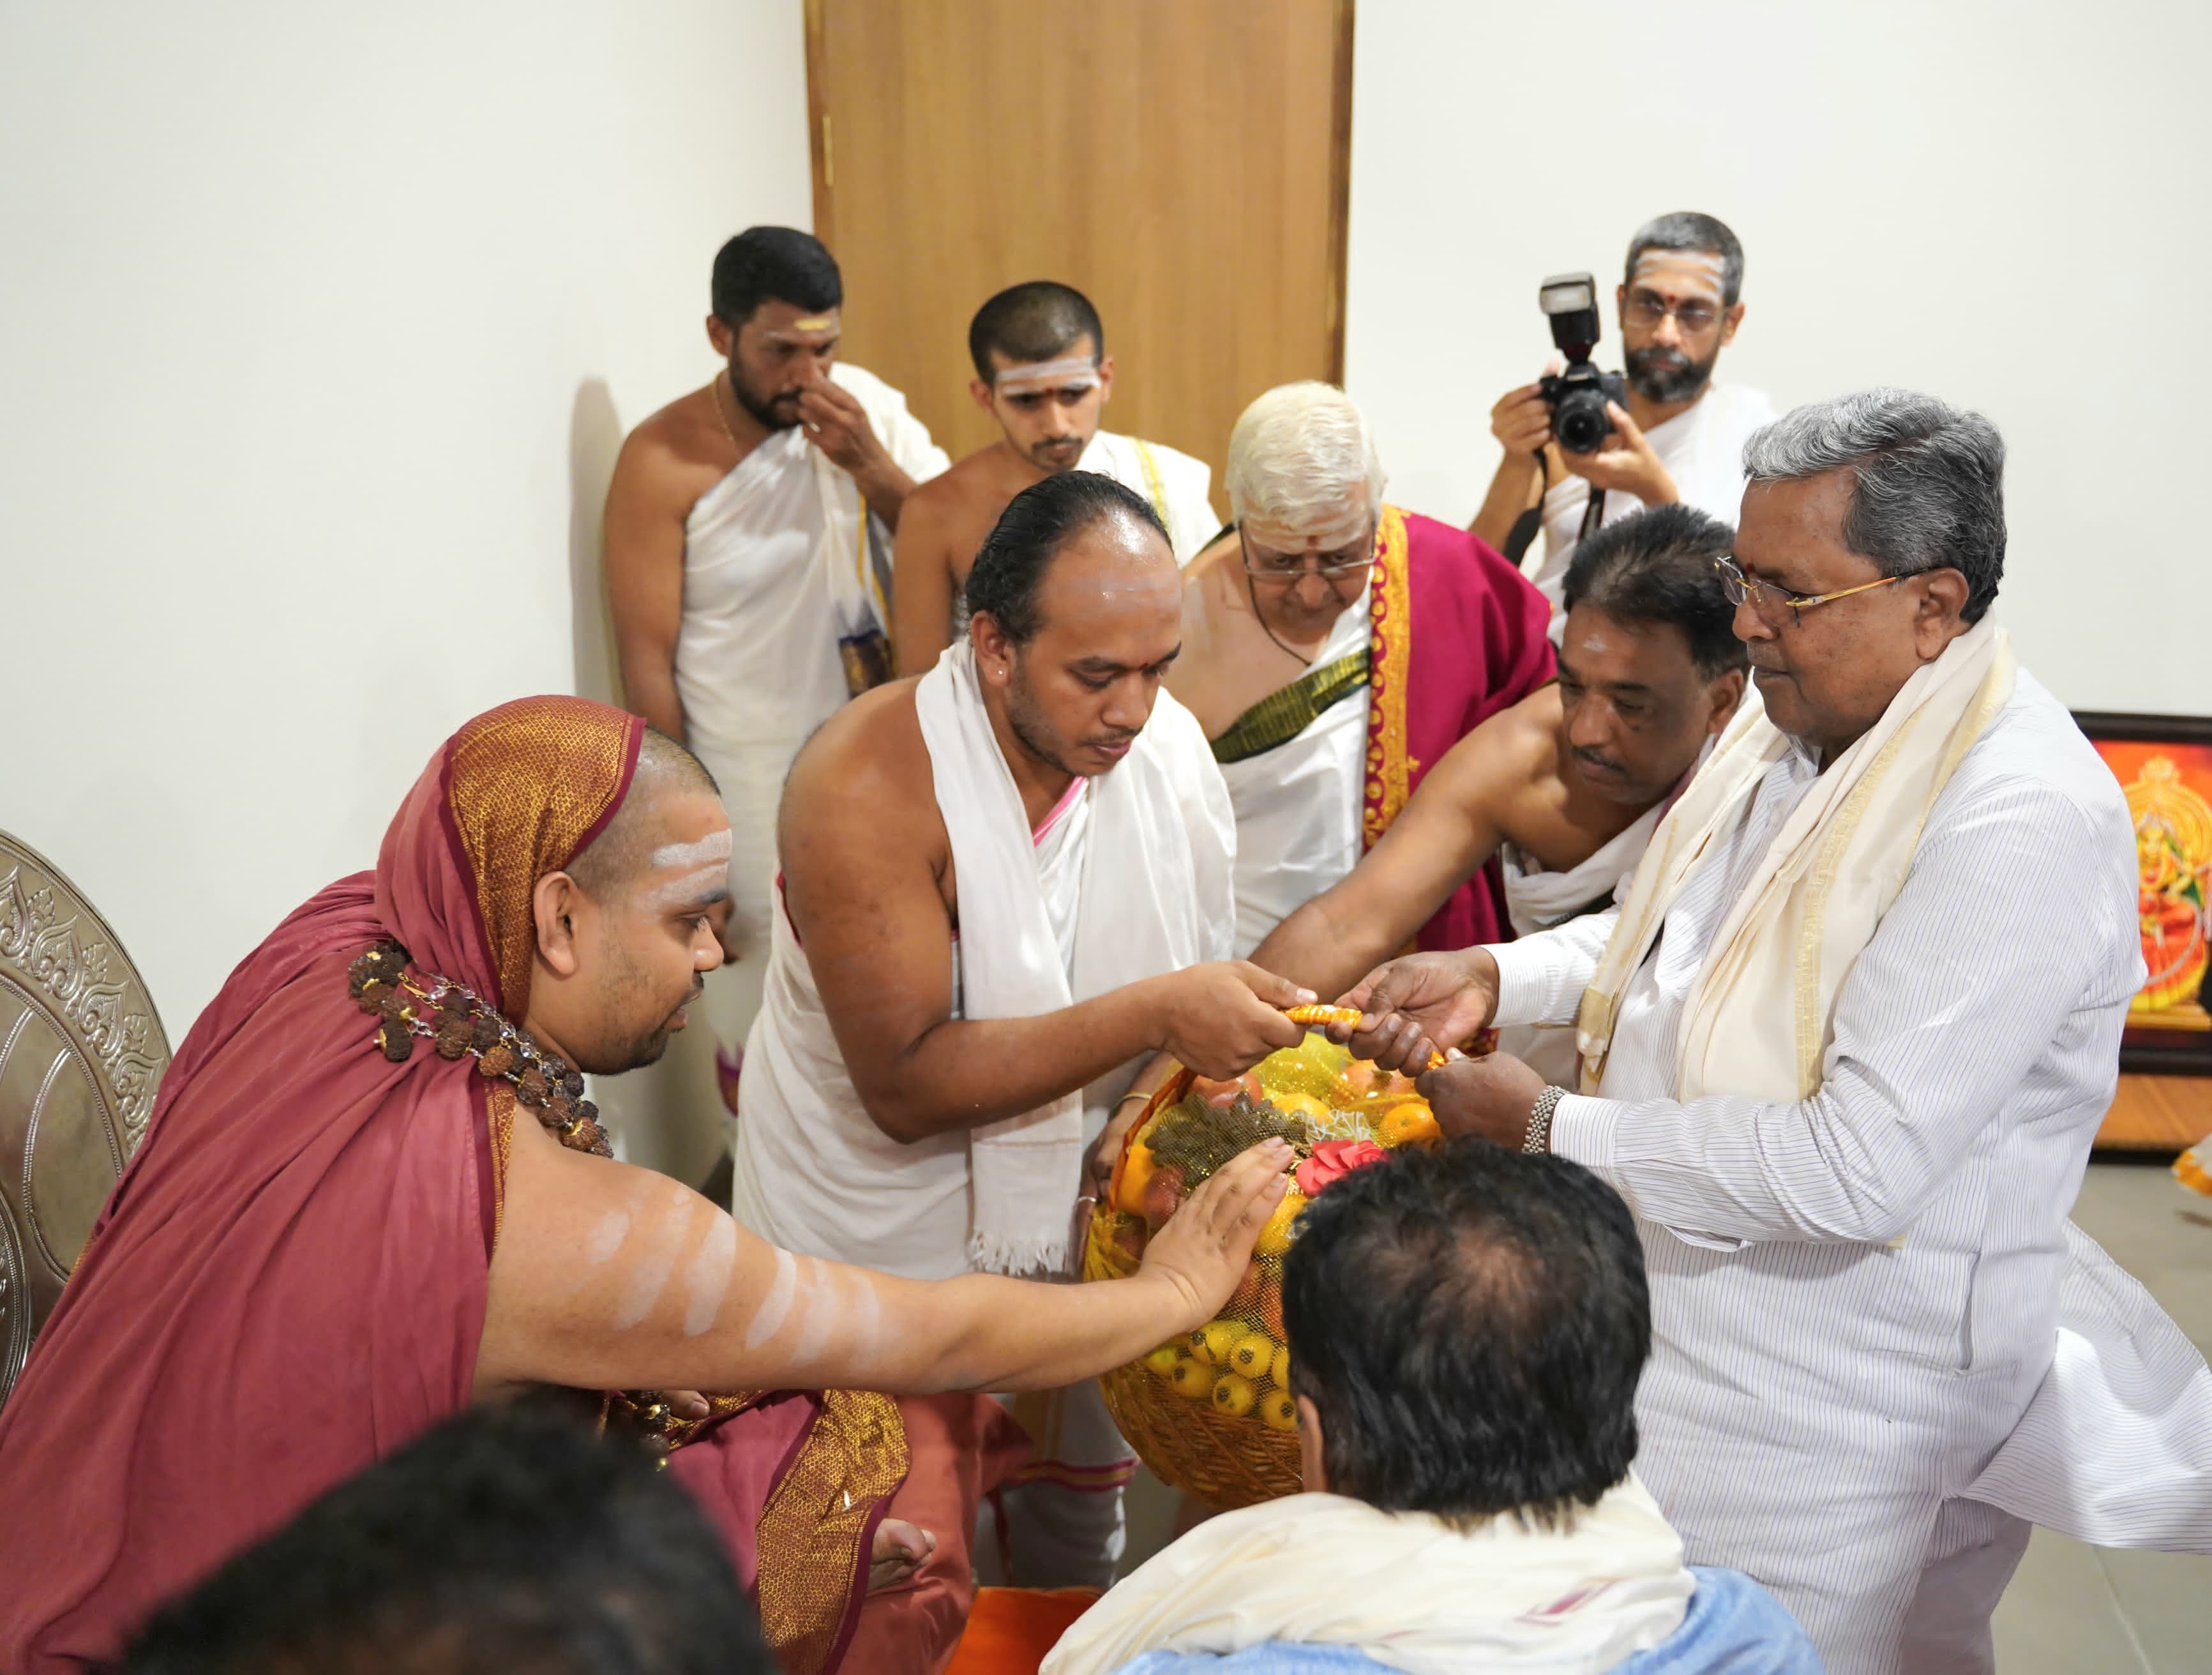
(1845, 1047)
(1005, 885)
(749, 537)
(1681, 436)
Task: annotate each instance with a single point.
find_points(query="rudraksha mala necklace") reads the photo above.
(457, 1024)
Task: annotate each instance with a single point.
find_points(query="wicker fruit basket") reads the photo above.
(1213, 1414)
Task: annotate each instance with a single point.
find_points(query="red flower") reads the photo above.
(1333, 1159)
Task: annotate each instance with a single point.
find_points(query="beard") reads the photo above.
(624, 1043)
(766, 413)
(1027, 718)
(1668, 374)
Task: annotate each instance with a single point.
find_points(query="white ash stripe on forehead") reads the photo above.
(690, 887)
(714, 847)
(1069, 372)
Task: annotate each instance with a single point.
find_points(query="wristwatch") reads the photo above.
(1539, 1139)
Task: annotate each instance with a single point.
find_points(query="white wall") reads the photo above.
(2004, 205)
(319, 325)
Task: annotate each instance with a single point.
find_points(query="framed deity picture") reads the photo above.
(2164, 763)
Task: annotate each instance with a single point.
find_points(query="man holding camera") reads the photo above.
(1678, 437)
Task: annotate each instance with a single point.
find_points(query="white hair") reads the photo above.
(1297, 455)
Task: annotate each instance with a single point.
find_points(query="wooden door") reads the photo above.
(1184, 163)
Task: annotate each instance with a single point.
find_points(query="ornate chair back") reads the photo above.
(81, 1052)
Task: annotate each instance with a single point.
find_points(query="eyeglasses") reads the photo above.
(1769, 601)
(1647, 309)
(1294, 567)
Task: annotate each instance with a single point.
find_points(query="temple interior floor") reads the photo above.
(2072, 1609)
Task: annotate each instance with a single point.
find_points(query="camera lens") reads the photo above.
(1580, 422)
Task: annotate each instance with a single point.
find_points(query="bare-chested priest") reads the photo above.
(748, 549)
(1335, 649)
(1565, 787)
(371, 1193)
(1006, 884)
(1042, 373)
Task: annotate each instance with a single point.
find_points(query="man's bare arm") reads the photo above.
(862, 845)
(921, 590)
(644, 533)
(1448, 828)
(607, 1276)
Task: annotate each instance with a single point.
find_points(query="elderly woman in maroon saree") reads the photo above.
(290, 1279)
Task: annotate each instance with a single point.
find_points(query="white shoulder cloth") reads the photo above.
(1156, 897)
(1406, 1588)
(1756, 1023)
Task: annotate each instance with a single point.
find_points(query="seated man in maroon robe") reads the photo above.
(1334, 648)
(371, 1193)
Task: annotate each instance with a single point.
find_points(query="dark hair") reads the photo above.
(616, 857)
(500, 1541)
(1685, 229)
(1010, 566)
(1927, 481)
(1470, 1324)
(1033, 321)
(1656, 566)
(774, 263)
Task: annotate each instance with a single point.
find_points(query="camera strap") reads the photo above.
(1525, 527)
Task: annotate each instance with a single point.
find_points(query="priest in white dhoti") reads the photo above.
(1680, 438)
(1335, 649)
(749, 532)
(1005, 885)
(1043, 376)
(1844, 1048)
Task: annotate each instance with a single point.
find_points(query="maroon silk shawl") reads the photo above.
(289, 1281)
(1458, 635)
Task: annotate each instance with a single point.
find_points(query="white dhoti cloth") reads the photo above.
(1128, 878)
(1851, 1036)
(781, 561)
(1298, 803)
(1176, 484)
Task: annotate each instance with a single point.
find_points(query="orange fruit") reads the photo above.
(1278, 1411)
(1295, 1104)
(1162, 1360)
(1279, 1368)
(1251, 1356)
(1234, 1396)
(1212, 1342)
(1408, 1125)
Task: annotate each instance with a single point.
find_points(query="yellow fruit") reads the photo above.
(1251, 1355)
(1296, 1104)
(1193, 1379)
(1408, 1125)
(1278, 1411)
(1275, 1237)
(1281, 1370)
(1234, 1396)
(1162, 1360)
(1212, 1342)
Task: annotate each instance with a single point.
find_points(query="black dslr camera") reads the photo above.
(1579, 394)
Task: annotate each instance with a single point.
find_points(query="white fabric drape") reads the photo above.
(1156, 897)
(1405, 1588)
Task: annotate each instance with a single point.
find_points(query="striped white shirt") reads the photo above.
(1856, 1295)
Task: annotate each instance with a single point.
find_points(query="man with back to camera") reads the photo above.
(1042, 373)
(1466, 1330)
(748, 540)
(1682, 436)
(1566, 787)
(1006, 884)
(1335, 649)
(1845, 1047)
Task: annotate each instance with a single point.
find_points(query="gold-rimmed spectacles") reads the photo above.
(1768, 600)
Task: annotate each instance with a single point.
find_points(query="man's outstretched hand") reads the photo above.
(1205, 1247)
(1423, 1005)
(1494, 1096)
(1223, 1018)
